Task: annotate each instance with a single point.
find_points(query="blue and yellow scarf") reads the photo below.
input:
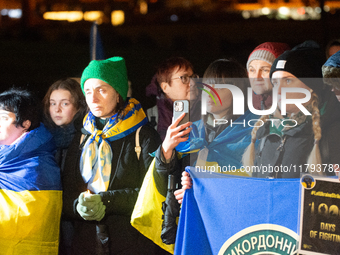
(95, 161)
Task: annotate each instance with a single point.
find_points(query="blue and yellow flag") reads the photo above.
(225, 152)
(30, 195)
(229, 215)
(147, 213)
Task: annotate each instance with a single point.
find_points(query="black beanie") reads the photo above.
(303, 61)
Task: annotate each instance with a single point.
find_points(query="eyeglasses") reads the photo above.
(186, 78)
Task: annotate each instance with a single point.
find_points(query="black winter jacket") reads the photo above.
(125, 181)
(287, 156)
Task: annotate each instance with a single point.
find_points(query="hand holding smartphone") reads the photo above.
(181, 106)
(174, 135)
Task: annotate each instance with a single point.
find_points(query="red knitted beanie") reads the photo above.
(267, 52)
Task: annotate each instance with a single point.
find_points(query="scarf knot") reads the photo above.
(97, 136)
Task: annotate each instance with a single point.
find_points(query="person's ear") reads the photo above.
(26, 124)
(165, 86)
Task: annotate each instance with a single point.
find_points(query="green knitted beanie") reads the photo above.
(111, 70)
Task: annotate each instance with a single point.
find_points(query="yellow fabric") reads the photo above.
(29, 222)
(147, 214)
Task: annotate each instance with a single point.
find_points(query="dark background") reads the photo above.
(36, 57)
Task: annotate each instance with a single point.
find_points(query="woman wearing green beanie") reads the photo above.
(103, 170)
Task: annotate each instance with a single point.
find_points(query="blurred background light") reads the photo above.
(246, 14)
(318, 10)
(265, 11)
(301, 11)
(94, 16)
(284, 11)
(143, 8)
(71, 16)
(174, 17)
(117, 17)
(4, 12)
(15, 13)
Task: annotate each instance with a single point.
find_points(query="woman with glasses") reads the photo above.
(172, 81)
(207, 145)
(213, 141)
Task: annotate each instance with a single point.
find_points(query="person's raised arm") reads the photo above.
(175, 135)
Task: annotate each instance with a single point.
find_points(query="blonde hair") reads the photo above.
(314, 158)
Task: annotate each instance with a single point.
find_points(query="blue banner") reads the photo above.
(225, 214)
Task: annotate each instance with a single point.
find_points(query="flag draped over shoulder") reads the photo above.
(224, 214)
(30, 195)
(147, 214)
(226, 150)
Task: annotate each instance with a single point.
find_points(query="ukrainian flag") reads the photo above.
(240, 211)
(30, 195)
(226, 149)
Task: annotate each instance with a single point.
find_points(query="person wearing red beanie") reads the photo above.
(258, 67)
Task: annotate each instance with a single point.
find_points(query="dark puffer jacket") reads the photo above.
(287, 155)
(125, 181)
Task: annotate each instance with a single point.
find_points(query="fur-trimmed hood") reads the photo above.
(331, 71)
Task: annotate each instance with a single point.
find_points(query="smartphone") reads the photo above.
(181, 106)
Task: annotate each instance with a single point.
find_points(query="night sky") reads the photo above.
(41, 55)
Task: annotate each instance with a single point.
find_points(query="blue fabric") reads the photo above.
(228, 147)
(334, 60)
(96, 45)
(29, 164)
(219, 206)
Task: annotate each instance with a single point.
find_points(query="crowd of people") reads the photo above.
(71, 168)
